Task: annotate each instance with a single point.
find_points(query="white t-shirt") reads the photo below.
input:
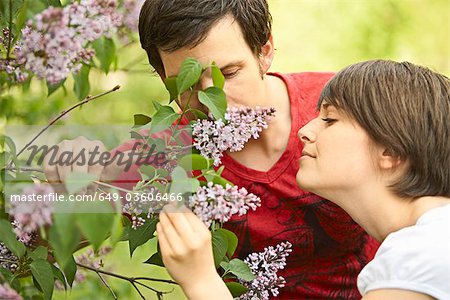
(415, 258)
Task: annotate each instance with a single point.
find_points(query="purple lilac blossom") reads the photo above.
(214, 202)
(29, 216)
(212, 138)
(7, 293)
(55, 43)
(7, 259)
(149, 205)
(265, 266)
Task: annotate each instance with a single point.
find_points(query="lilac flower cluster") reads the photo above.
(30, 216)
(214, 202)
(265, 266)
(54, 44)
(130, 18)
(212, 138)
(11, 66)
(136, 208)
(90, 259)
(7, 259)
(7, 293)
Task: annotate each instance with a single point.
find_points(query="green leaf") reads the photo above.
(189, 74)
(10, 278)
(194, 162)
(54, 3)
(4, 139)
(171, 86)
(51, 88)
(58, 274)
(224, 265)
(77, 181)
(232, 241)
(220, 246)
(95, 226)
(43, 274)
(199, 114)
(164, 117)
(135, 135)
(5, 9)
(105, 50)
(215, 100)
(140, 120)
(64, 237)
(81, 85)
(8, 237)
(236, 289)
(155, 259)
(141, 235)
(70, 270)
(217, 76)
(241, 270)
(39, 253)
(216, 179)
(148, 170)
(181, 183)
(156, 105)
(21, 18)
(117, 229)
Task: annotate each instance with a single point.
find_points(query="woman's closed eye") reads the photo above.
(328, 120)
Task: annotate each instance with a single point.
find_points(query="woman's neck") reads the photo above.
(381, 212)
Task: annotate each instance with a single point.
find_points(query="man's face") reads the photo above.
(225, 45)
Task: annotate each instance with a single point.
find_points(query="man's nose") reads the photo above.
(205, 82)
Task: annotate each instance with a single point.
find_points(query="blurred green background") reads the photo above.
(309, 35)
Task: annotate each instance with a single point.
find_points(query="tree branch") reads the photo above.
(62, 114)
(133, 280)
(127, 278)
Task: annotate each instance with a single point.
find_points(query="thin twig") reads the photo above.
(10, 30)
(101, 183)
(107, 285)
(134, 281)
(127, 278)
(156, 280)
(88, 99)
(136, 288)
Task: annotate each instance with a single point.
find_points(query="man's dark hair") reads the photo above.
(169, 25)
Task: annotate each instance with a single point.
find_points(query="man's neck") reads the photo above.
(263, 153)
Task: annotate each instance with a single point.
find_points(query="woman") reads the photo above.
(380, 149)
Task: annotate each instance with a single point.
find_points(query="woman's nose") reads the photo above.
(307, 133)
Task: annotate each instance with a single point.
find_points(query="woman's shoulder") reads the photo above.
(413, 258)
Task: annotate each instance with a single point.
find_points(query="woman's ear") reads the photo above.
(387, 160)
(266, 56)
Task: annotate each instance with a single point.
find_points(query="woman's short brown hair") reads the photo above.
(405, 108)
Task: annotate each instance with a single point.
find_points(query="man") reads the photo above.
(329, 249)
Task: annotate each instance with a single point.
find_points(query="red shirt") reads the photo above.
(329, 249)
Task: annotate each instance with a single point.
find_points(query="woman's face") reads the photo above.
(337, 157)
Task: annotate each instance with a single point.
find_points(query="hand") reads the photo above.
(186, 249)
(75, 156)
